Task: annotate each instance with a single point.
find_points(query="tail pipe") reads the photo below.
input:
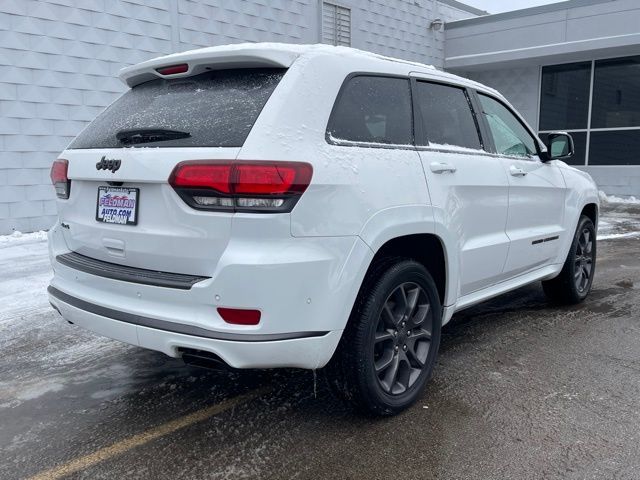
(203, 359)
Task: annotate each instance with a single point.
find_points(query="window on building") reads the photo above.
(446, 115)
(373, 110)
(620, 147)
(616, 93)
(612, 87)
(336, 25)
(564, 99)
(509, 135)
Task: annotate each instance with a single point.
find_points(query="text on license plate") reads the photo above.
(118, 205)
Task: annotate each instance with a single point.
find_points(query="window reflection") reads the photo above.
(616, 93)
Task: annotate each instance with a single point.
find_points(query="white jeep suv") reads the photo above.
(271, 205)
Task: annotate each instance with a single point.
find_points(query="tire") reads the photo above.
(389, 348)
(574, 282)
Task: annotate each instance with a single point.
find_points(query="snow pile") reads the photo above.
(26, 272)
(614, 236)
(604, 198)
(19, 237)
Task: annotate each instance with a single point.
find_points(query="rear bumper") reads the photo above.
(297, 350)
(304, 288)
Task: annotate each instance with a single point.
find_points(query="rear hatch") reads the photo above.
(121, 207)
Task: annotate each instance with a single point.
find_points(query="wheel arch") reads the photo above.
(411, 231)
(425, 248)
(591, 210)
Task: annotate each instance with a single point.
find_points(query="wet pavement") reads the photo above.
(522, 390)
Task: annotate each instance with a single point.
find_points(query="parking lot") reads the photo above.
(522, 390)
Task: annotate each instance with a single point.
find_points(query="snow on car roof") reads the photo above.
(279, 55)
(253, 55)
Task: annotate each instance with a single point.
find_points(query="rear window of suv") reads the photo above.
(213, 109)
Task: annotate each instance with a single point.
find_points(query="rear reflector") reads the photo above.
(269, 186)
(237, 316)
(59, 178)
(173, 69)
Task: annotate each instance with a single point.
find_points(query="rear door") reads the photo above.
(536, 190)
(121, 207)
(468, 186)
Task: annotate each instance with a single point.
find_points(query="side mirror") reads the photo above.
(559, 147)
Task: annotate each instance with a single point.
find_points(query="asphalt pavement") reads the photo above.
(522, 390)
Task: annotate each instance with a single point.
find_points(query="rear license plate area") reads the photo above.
(117, 205)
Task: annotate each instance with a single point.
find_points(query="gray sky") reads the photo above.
(497, 6)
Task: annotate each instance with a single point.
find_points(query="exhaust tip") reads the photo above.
(203, 359)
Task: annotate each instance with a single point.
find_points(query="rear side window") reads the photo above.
(373, 109)
(446, 116)
(213, 109)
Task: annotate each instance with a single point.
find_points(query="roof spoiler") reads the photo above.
(212, 58)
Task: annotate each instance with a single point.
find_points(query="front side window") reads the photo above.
(373, 109)
(446, 116)
(509, 135)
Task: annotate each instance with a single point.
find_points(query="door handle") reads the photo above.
(439, 167)
(516, 171)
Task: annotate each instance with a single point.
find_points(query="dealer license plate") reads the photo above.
(118, 205)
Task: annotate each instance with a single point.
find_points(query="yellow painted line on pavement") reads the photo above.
(127, 444)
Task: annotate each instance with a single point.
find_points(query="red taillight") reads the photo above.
(238, 316)
(271, 179)
(59, 178)
(202, 175)
(242, 185)
(173, 69)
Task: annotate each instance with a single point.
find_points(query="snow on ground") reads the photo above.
(26, 271)
(606, 199)
(620, 217)
(27, 320)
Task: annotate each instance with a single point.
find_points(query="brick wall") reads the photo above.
(59, 61)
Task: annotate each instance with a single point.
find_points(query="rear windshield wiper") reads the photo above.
(146, 135)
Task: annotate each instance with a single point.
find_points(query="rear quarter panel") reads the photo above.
(373, 193)
(350, 184)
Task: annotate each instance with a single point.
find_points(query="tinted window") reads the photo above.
(509, 135)
(373, 110)
(446, 115)
(216, 108)
(616, 93)
(580, 144)
(615, 148)
(564, 101)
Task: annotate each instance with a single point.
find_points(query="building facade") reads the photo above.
(571, 66)
(59, 61)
